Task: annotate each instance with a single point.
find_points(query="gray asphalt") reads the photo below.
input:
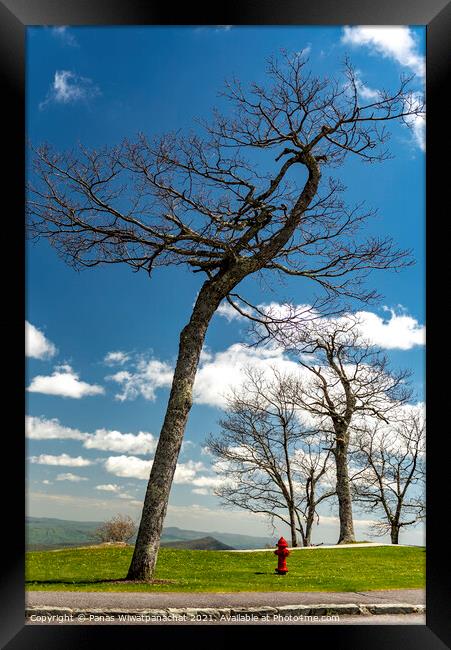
(140, 600)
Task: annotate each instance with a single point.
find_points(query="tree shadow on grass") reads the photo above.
(265, 573)
(118, 581)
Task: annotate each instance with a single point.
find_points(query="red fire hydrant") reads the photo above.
(282, 553)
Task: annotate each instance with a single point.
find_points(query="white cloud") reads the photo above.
(186, 445)
(419, 130)
(365, 91)
(149, 376)
(417, 124)
(69, 88)
(39, 428)
(205, 484)
(65, 383)
(70, 477)
(390, 433)
(108, 487)
(186, 472)
(358, 523)
(62, 33)
(117, 357)
(305, 51)
(219, 371)
(63, 459)
(37, 345)
(141, 443)
(229, 312)
(397, 43)
(276, 310)
(115, 489)
(217, 376)
(400, 331)
(82, 508)
(128, 466)
(203, 518)
(132, 467)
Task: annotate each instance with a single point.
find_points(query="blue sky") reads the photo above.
(97, 85)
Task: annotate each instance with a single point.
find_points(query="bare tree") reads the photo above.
(119, 528)
(392, 474)
(267, 461)
(347, 380)
(197, 200)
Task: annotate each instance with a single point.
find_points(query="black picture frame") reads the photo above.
(15, 16)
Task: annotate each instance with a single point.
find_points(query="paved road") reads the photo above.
(386, 619)
(140, 600)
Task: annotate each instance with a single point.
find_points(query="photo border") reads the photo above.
(15, 16)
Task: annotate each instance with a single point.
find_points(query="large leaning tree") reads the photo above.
(268, 462)
(347, 380)
(390, 480)
(241, 194)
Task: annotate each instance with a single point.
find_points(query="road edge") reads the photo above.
(216, 613)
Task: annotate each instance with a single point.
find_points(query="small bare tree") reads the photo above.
(268, 462)
(119, 528)
(347, 379)
(392, 474)
(202, 201)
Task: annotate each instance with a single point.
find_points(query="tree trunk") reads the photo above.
(309, 526)
(180, 400)
(344, 494)
(394, 533)
(294, 541)
(300, 529)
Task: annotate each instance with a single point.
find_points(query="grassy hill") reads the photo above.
(314, 569)
(45, 533)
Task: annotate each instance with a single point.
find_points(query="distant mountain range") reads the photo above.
(202, 544)
(44, 533)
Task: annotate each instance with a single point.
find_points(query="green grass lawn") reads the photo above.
(347, 569)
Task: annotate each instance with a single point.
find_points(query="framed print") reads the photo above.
(233, 435)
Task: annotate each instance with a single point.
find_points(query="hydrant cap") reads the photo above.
(282, 542)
